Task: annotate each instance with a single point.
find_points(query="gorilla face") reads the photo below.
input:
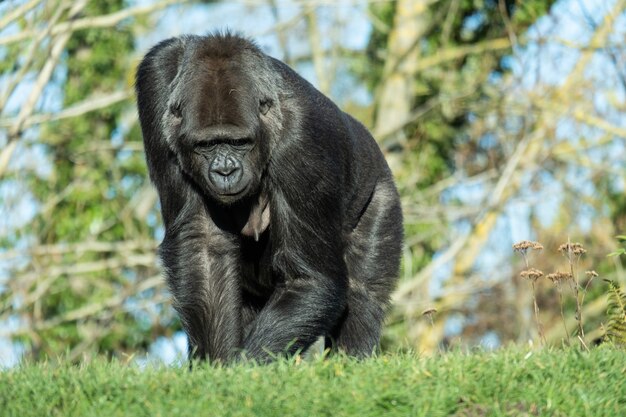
(213, 125)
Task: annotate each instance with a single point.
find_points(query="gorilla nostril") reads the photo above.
(225, 171)
(225, 166)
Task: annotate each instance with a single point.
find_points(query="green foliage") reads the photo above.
(619, 251)
(505, 383)
(454, 92)
(616, 314)
(616, 309)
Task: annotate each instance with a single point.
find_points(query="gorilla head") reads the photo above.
(221, 143)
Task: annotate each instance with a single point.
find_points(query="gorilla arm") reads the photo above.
(307, 254)
(198, 258)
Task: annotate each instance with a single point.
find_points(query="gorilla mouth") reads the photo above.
(228, 183)
(226, 175)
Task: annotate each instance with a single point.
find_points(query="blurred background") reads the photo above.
(503, 120)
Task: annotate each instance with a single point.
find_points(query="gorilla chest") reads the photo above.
(257, 277)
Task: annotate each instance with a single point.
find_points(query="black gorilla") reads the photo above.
(282, 220)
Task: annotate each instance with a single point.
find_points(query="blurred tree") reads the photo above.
(447, 54)
(88, 282)
(447, 113)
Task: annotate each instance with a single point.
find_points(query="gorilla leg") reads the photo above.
(358, 333)
(372, 256)
(205, 287)
(250, 308)
(293, 319)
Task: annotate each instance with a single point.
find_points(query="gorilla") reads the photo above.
(282, 220)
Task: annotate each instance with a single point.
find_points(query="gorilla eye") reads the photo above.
(264, 106)
(241, 143)
(211, 145)
(207, 145)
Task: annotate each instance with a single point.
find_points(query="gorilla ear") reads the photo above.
(264, 106)
(175, 110)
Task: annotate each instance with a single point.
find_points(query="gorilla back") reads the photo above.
(282, 220)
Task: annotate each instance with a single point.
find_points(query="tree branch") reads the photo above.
(104, 21)
(18, 12)
(88, 105)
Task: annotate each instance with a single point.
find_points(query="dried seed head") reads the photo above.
(531, 273)
(524, 245)
(575, 248)
(591, 274)
(558, 276)
(521, 246)
(429, 312)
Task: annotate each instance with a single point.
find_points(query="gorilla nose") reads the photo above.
(225, 171)
(224, 165)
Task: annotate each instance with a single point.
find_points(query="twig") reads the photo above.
(507, 22)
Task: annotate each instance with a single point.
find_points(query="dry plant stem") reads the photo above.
(591, 277)
(582, 342)
(532, 275)
(536, 308)
(573, 252)
(569, 342)
(579, 312)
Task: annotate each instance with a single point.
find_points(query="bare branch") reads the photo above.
(88, 105)
(452, 53)
(83, 247)
(104, 21)
(145, 259)
(86, 310)
(18, 12)
(581, 115)
(29, 55)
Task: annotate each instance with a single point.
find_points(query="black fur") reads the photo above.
(282, 220)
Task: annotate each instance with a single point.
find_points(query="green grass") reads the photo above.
(510, 382)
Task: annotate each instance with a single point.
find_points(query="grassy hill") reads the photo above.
(509, 382)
